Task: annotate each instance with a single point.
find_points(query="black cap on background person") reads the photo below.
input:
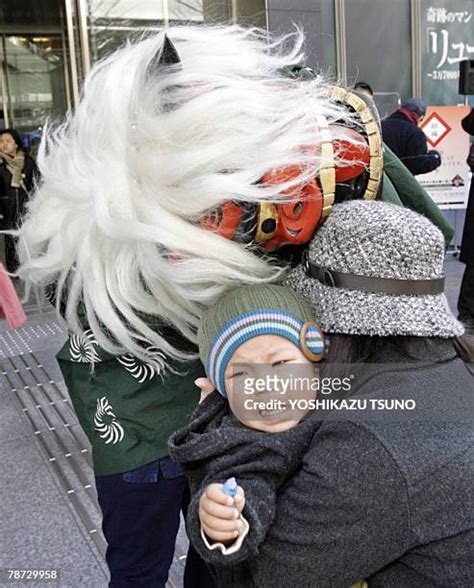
(416, 105)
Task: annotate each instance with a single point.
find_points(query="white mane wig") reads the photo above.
(148, 150)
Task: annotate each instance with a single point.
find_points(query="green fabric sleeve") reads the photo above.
(389, 194)
(411, 194)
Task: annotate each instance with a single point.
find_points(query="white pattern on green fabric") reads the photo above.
(139, 369)
(106, 423)
(83, 348)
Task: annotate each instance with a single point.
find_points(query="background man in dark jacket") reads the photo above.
(401, 133)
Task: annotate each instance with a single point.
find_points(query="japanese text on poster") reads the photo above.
(448, 39)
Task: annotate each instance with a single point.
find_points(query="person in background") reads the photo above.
(17, 176)
(364, 88)
(402, 134)
(466, 294)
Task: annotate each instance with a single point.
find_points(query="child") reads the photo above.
(262, 448)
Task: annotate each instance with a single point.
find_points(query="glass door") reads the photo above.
(33, 81)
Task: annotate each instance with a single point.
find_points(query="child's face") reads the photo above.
(262, 355)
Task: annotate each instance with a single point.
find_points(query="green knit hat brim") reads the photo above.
(236, 310)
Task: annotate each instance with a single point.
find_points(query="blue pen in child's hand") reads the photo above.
(230, 487)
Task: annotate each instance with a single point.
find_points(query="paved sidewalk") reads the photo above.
(48, 512)
(49, 517)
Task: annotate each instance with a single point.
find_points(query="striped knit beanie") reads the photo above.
(250, 311)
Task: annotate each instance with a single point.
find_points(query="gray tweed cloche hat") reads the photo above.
(376, 269)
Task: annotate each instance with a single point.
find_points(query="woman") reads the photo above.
(381, 495)
(17, 175)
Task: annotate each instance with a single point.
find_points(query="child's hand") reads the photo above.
(206, 387)
(219, 518)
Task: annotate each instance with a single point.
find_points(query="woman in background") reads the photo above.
(17, 175)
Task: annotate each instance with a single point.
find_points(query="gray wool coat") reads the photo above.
(388, 500)
(215, 446)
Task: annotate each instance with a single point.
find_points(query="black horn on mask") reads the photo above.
(167, 56)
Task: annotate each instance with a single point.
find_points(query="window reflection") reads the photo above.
(39, 79)
(33, 80)
(112, 22)
(369, 42)
(190, 11)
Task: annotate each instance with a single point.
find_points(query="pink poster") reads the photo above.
(449, 184)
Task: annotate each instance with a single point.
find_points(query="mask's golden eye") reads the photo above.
(267, 222)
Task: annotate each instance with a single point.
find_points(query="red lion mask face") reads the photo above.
(297, 219)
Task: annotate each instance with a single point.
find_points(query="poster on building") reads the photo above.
(449, 184)
(447, 39)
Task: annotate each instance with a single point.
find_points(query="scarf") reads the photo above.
(15, 166)
(411, 116)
